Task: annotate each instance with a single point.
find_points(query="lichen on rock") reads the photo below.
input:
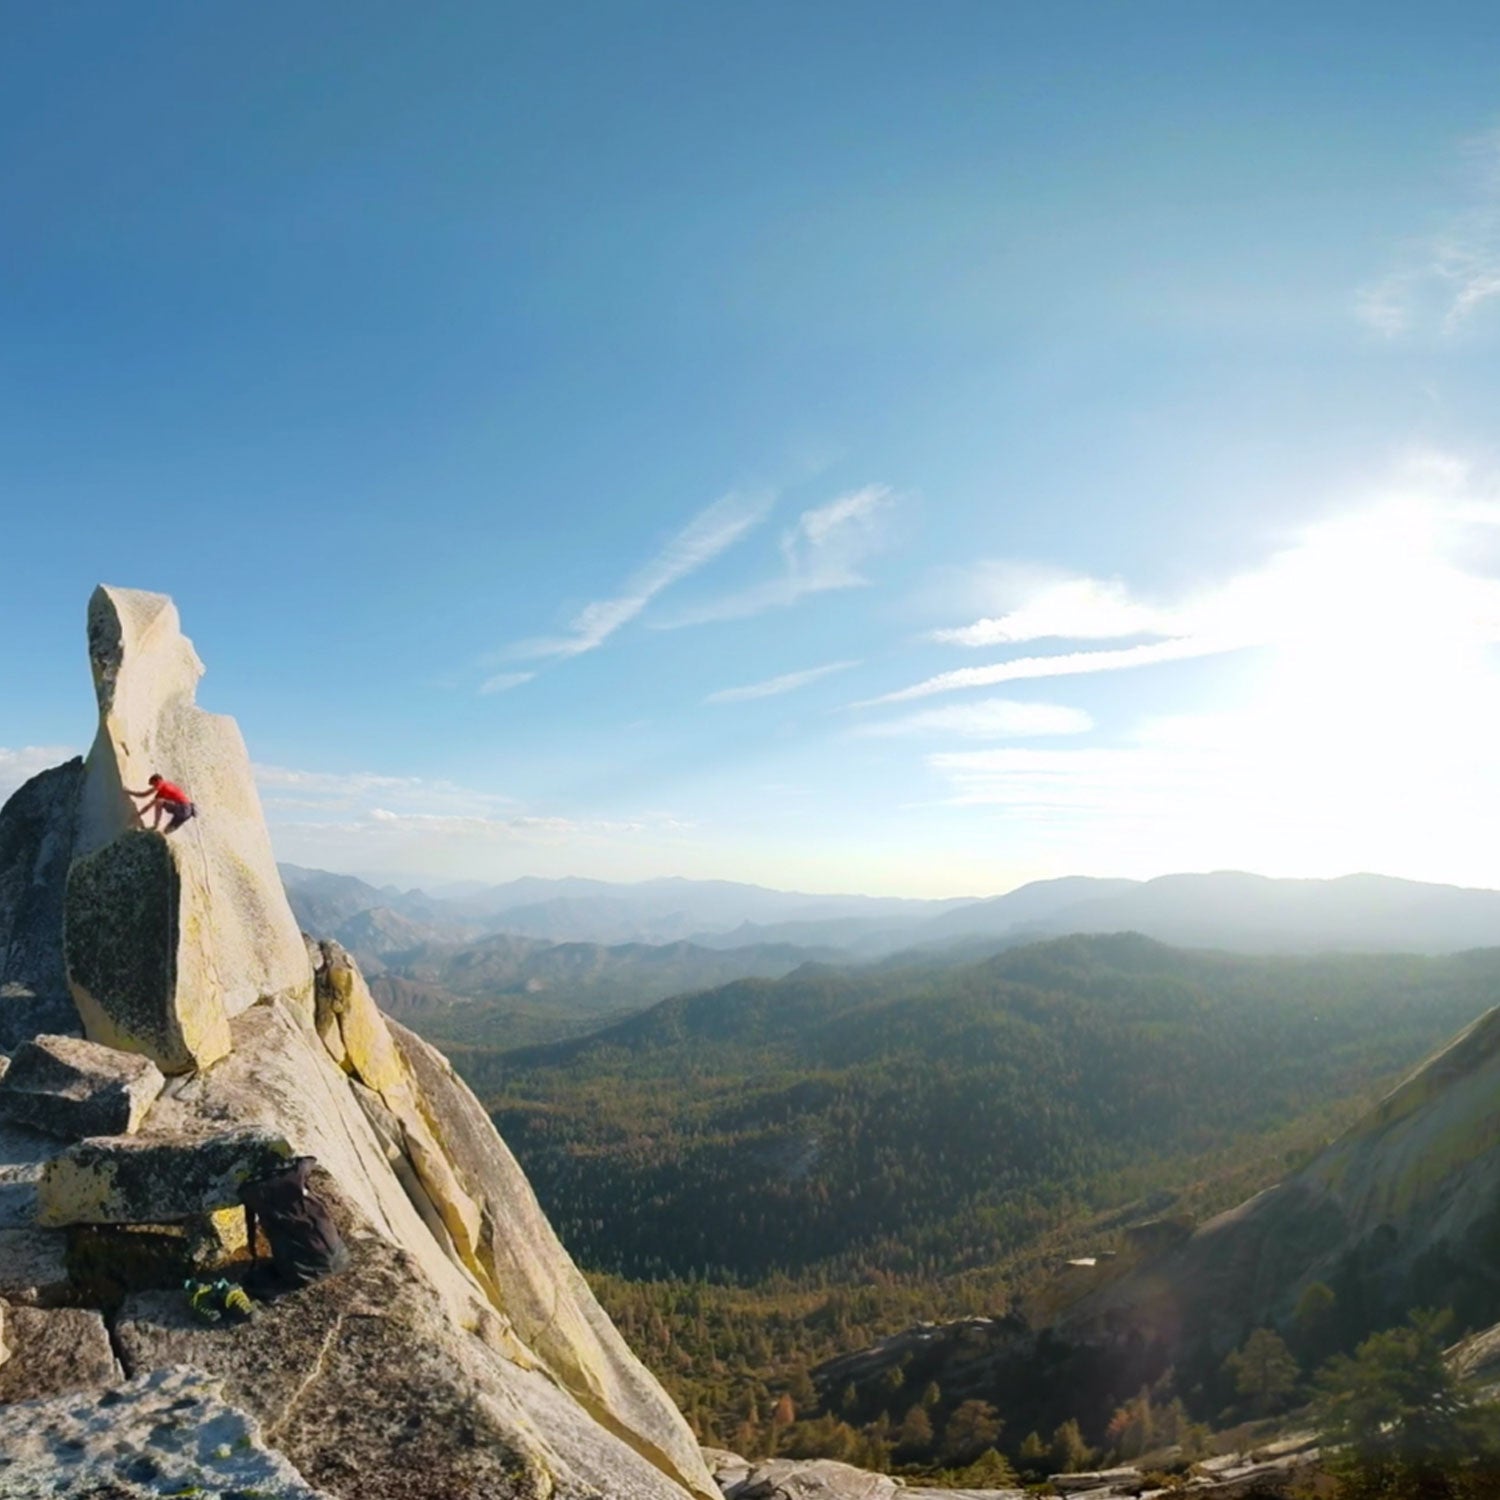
(152, 1179)
(71, 1088)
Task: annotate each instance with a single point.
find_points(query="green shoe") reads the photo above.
(201, 1297)
(234, 1300)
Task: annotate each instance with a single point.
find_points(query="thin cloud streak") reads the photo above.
(1068, 609)
(773, 687)
(711, 532)
(823, 550)
(503, 682)
(1070, 664)
(988, 719)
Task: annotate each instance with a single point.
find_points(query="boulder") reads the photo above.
(54, 1350)
(34, 1266)
(169, 1432)
(144, 978)
(72, 1088)
(33, 1263)
(812, 1479)
(37, 827)
(153, 1179)
(165, 937)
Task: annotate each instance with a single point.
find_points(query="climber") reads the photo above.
(305, 1242)
(167, 800)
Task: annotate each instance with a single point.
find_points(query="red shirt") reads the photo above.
(166, 792)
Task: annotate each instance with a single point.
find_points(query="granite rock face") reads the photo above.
(71, 1088)
(142, 978)
(364, 1382)
(166, 937)
(37, 828)
(166, 1433)
(1412, 1186)
(543, 1293)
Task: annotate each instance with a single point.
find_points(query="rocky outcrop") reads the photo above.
(37, 827)
(166, 938)
(461, 1354)
(71, 1088)
(1264, 1475)
(1404, 1207)
(140, 981)
(166, 1433)
(153, 1178)
(54, 1350)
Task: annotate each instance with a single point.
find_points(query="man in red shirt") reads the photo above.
(167, 801)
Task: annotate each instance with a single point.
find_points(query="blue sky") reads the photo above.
(589, 439)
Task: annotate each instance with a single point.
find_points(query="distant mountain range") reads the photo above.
(1229, 910)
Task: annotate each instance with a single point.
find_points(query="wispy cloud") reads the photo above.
(18, 766)
(1069, 664)
(824, 549)
(988, 719)
(1399, 573)
(773, 687)
(503, 682)
(711, 532)
(1446, 277)
(1067, 609)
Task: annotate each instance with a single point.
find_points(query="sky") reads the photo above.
(867, 446)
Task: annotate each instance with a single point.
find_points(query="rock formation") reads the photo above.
(1403, 1208)
(37, 827)
(168, 938)
(462, 1354)
(72, 1088)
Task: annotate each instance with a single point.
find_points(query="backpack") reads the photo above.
(305, 1243)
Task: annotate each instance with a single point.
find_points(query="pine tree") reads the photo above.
(990, 1471)
(1069, 1451)
(1399, 1412)
(915, 1435)
(970, 1429)
(1315, 1325)
(1265, 1373)
(1034, 1454)
(783, 1415)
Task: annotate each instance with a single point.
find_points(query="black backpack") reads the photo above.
(305, 1244)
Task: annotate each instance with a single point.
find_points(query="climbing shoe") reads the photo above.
(233, 1299)
(203, 1298)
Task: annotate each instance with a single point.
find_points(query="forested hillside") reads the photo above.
(928, 1117)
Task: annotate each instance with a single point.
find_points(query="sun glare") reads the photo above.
(1369, 730)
